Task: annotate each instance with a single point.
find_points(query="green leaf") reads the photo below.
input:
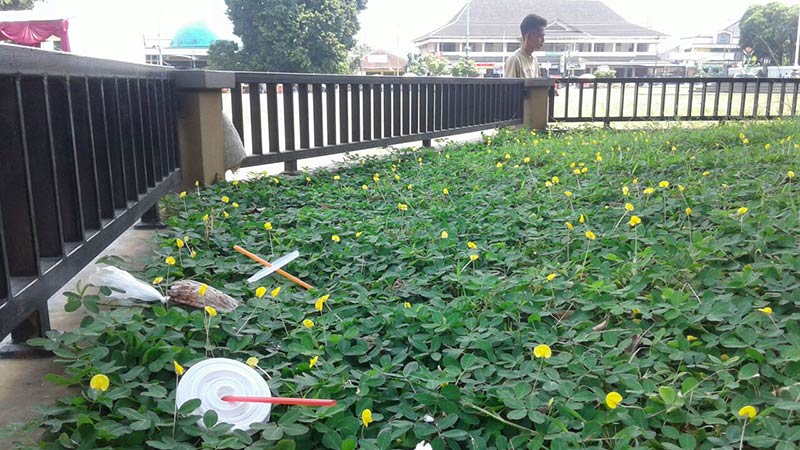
(517, 414)
(748, 371)
(667, 394)
(285, 444)
(189, 406)
(384, 439)
(349, 444)
(687, 441)
(210, 418)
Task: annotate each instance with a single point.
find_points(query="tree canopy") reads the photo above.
(6, 5)
(290, 35)
(771, 31)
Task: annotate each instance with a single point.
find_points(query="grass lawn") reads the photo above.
(596, 289)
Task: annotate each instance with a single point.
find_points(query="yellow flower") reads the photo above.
(499, 165)
(337, 178)
(409, 187)
(591, 236)
(706, 173)
(568, 194)
(364, 187)
(313, 361)
(674, 148)
(613, 399)
(406, 305)
(202, 290)
(649, 191)
(211, 311)
(472, 245)
(275, 292)
(402, 207)
(688, 211)
(276, 181)
(193, 254)
(548, 184)
(99, 382)
(790, 174)
(742, 211)
(691, 338)
(157, 280)
(308, 179)
(681, 188)
(169, 260)
(336, 238)
(577, 171)
(252, 361)
(397, 177)
(445, 191)
(663, 184)
(748, 411)
(581, 219)
(235, 182)
(473, 257)
(768, 146)
(260, 291)
(745, 141)
(225, 213)
(182, 194)
(366, 417)
(569, 226)
(527, 160)
(635, 181)
(376, 177)
(571, 165)
(358, 234)
(447, 156)
(629, 206)
(268, 226)
(585, 170)
(308, 323)
(635, 312)
(196, 183)
(225, 199)
(321, 302)
(625, 191)
(235, 205)
(766, 310)
(178, 368)
(555, 180)
(542, 351)
(205, 218)
(445, 235)
(551, 277)
(508, 156)
(599, 157)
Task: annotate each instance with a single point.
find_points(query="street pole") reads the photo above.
(469, 4)
(797, 45)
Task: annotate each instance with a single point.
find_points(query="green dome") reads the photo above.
(196, 35)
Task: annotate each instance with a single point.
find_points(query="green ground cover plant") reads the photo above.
(596, 289)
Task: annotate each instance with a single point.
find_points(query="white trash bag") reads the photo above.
(125, 288)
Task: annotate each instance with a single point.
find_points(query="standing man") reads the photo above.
(522, 63)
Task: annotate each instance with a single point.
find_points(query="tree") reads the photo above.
(464, 67)
(357, 55)
(224, 55)
(292, 35)
(428, 65)
(771, 31)
(6, 5)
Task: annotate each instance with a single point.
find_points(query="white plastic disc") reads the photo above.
(214, 378)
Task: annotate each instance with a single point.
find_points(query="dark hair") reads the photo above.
(532, 23)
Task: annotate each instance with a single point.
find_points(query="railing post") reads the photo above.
(200, 124)
(536, 103)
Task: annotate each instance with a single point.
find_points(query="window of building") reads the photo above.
(724, 38)
(490, 47)
(448, 47)
(583, 47)
(643, 48)
(601, 47)
(624, 47)
(512, 47)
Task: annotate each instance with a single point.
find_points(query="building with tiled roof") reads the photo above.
(582, 36)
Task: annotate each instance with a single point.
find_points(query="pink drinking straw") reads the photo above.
(280, 401)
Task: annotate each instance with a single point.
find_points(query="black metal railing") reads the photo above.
(87, 146)
(288, 117)
(658, 99)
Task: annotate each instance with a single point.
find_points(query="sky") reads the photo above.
(114, 28)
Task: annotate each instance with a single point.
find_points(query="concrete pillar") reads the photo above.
(200, 125)
(536, 108)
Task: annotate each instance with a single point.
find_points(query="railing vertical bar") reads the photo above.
(172, 115)
(770, 86)
(622, 99)
(344, 110)
(367, 115)
(755, 99)
(397, 109)
(440, 123)
(783, 98)
(730, 99)
(386, 96)
(580, 100)
(155, 135)
(129, 146)
(566, 100)
(594, 99)
(431, 87)
(32, 94)
(330, 104)
(796, 84)
(56, 215)
(663, 98)
(273, 121)
(476, 101)
(414, 108)
(84, 152)
(141, 156)
(5, 277)
(377, 111)
(302, 99)
(116, 154)
(716, 99)
(288, 126)
(635, 99)
(677, 99)
(703, 95)
(689, 108)
(406, 88)
(355, 114)
(102, 151)
(649, 99)
(423, 108)
(743, 101)
(319, 129)
(164, 129)
(608, 103)
(237, 110)
(551, 100)
(256, 132)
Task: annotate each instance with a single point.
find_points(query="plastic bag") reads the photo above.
(124, 286)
